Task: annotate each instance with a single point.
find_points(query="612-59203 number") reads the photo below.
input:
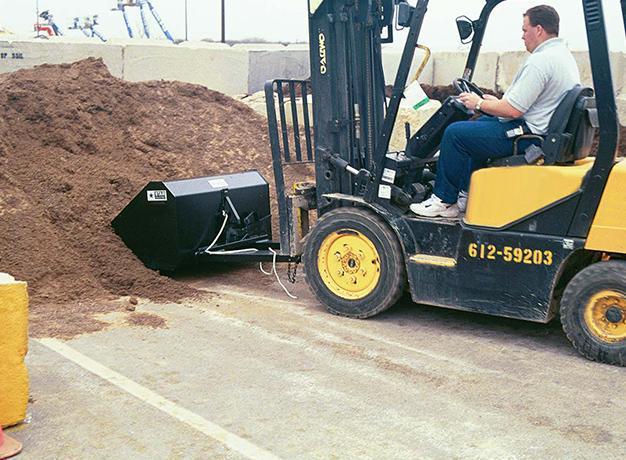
(510, 254)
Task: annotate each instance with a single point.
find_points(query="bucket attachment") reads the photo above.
(167, 223)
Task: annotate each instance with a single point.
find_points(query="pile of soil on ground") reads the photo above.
(76, 145)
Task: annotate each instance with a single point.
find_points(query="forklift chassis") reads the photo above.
(365, 248)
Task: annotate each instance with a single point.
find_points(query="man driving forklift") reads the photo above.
(526, 108)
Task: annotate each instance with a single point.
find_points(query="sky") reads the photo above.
(286, 20)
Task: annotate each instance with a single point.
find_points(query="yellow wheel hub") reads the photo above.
(605, 316)
(349, 264)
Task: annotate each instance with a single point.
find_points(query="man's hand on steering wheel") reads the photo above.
(469, 93)
(462, 85)
(470, 100)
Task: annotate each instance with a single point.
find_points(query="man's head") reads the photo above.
(541, 23)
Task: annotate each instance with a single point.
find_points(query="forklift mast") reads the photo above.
(349, 85)
(352, 118)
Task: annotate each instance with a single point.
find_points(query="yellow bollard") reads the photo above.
(13, 348)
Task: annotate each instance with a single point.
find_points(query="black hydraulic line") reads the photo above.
(378, 83)
(594, 185)
(381, 76)
(354, 89)
(369, 94)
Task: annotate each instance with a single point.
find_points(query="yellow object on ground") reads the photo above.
(608, 231)
(13, 348)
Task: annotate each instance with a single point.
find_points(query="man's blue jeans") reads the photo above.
(467, 146)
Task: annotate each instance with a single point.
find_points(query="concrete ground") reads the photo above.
(250, 373)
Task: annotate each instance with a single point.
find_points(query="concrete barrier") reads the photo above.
(621, 110)
(203, 44)
(510, 62)
(449, 66)
(224, 70)
(240, 69)
(13, 348)
(15, 55)
(391, 62)
(270, 64)
(617, 69)
(508, 65)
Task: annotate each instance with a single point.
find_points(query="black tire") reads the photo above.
(593, 312)
(382, 276)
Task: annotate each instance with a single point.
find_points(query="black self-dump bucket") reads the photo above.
(168, 222)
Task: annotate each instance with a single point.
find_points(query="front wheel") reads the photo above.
(354, 263)
(593, 312)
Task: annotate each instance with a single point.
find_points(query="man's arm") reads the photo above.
(490, 105)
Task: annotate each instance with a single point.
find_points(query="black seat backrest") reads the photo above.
(572, 127)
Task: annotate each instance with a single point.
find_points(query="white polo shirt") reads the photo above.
(542, 82)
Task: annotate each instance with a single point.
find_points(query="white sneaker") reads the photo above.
(434, 207)
(462, 201)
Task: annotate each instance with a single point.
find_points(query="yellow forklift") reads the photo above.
(540, 239)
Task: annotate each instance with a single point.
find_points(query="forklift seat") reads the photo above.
(570, 133)
(499, 197)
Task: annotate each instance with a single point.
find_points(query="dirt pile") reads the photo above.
(76, 144)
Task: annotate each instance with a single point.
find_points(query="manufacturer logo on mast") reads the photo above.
(322, 48)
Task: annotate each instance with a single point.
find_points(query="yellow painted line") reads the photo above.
(433, 260)
(230, 440)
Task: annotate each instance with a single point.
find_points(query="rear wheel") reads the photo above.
(593, 312)
(354, 263)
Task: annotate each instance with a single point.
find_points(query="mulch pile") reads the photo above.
(76, 145)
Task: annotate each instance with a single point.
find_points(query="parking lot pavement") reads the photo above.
(249, 373)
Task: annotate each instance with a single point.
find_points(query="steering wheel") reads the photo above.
(462, 85)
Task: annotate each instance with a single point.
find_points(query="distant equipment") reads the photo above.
(87, 26)
(143, 6)
(48, 28)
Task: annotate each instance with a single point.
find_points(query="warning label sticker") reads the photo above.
(218, 183)
(384, 192)
(157, 195)
(389, 175)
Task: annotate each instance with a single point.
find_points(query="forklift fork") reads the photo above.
(291, 141)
